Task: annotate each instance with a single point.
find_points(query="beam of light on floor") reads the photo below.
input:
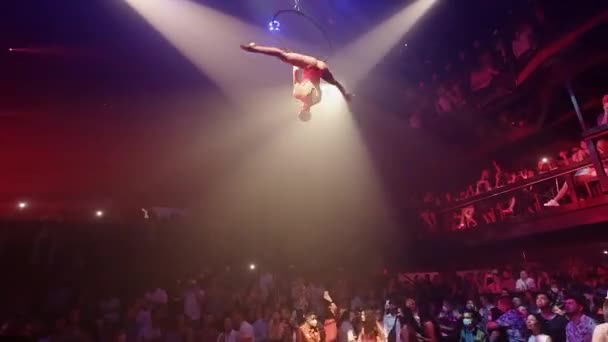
(210, 40)
(359, 58)
(312, 176)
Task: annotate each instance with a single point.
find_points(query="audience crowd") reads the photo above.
(483, 305)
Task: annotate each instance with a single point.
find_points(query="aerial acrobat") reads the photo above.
(307, 74)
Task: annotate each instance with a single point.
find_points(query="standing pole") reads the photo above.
(577, 109)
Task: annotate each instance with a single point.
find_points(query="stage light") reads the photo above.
(10, 49)
(274, 25)
(605, 252)
(22, 205)
(252, 267)
(545, 160)
(99, 213)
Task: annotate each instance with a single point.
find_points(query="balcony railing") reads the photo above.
(521, 202)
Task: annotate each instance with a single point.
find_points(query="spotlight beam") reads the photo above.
(210, 40)
(360, 57)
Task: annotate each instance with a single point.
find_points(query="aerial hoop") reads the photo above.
(275, 25)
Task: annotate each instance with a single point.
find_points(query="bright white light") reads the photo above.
(99, 213)
(22, 205)
(605, 252)
(359, 58)
(545, 160)
(252, 267)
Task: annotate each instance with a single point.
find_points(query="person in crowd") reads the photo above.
(330, 324)
(372, 330)
(449, 320)
(470, 332)
(482, 76)
(430, 330)
(580, 328)
(485, 311)
(244, 329)
(347, 330)
(209, 331)
(507, 281)
(309, 330)
(525, 283)
(410, 328)
(554, 324)
(600, 333)
(193, 298)
(278, 329)
(511, 320)
(602, 119)
(152, 332)
(523, 42)
(260, 326)
(229, 334)
(392, 324)
(537, 333)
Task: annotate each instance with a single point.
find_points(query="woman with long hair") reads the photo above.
(409, 326)
(536, 328)
(372, 330)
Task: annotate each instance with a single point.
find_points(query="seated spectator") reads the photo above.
(507, 281)
(523, 41)
(578, 156)
(482, 76)
(483, 184)
(467, 218)
(602, 119)
(537, 332)
(525, 283)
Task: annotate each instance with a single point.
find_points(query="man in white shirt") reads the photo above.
(245, 330)
(193, 297)
(229, 334)
(392, 325)
(524, 283)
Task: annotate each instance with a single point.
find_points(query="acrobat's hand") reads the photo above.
(248, 47)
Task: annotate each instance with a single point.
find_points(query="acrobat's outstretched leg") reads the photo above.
(300, 61)
(295, 59)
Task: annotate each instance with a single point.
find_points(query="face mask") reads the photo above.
(467, 321)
